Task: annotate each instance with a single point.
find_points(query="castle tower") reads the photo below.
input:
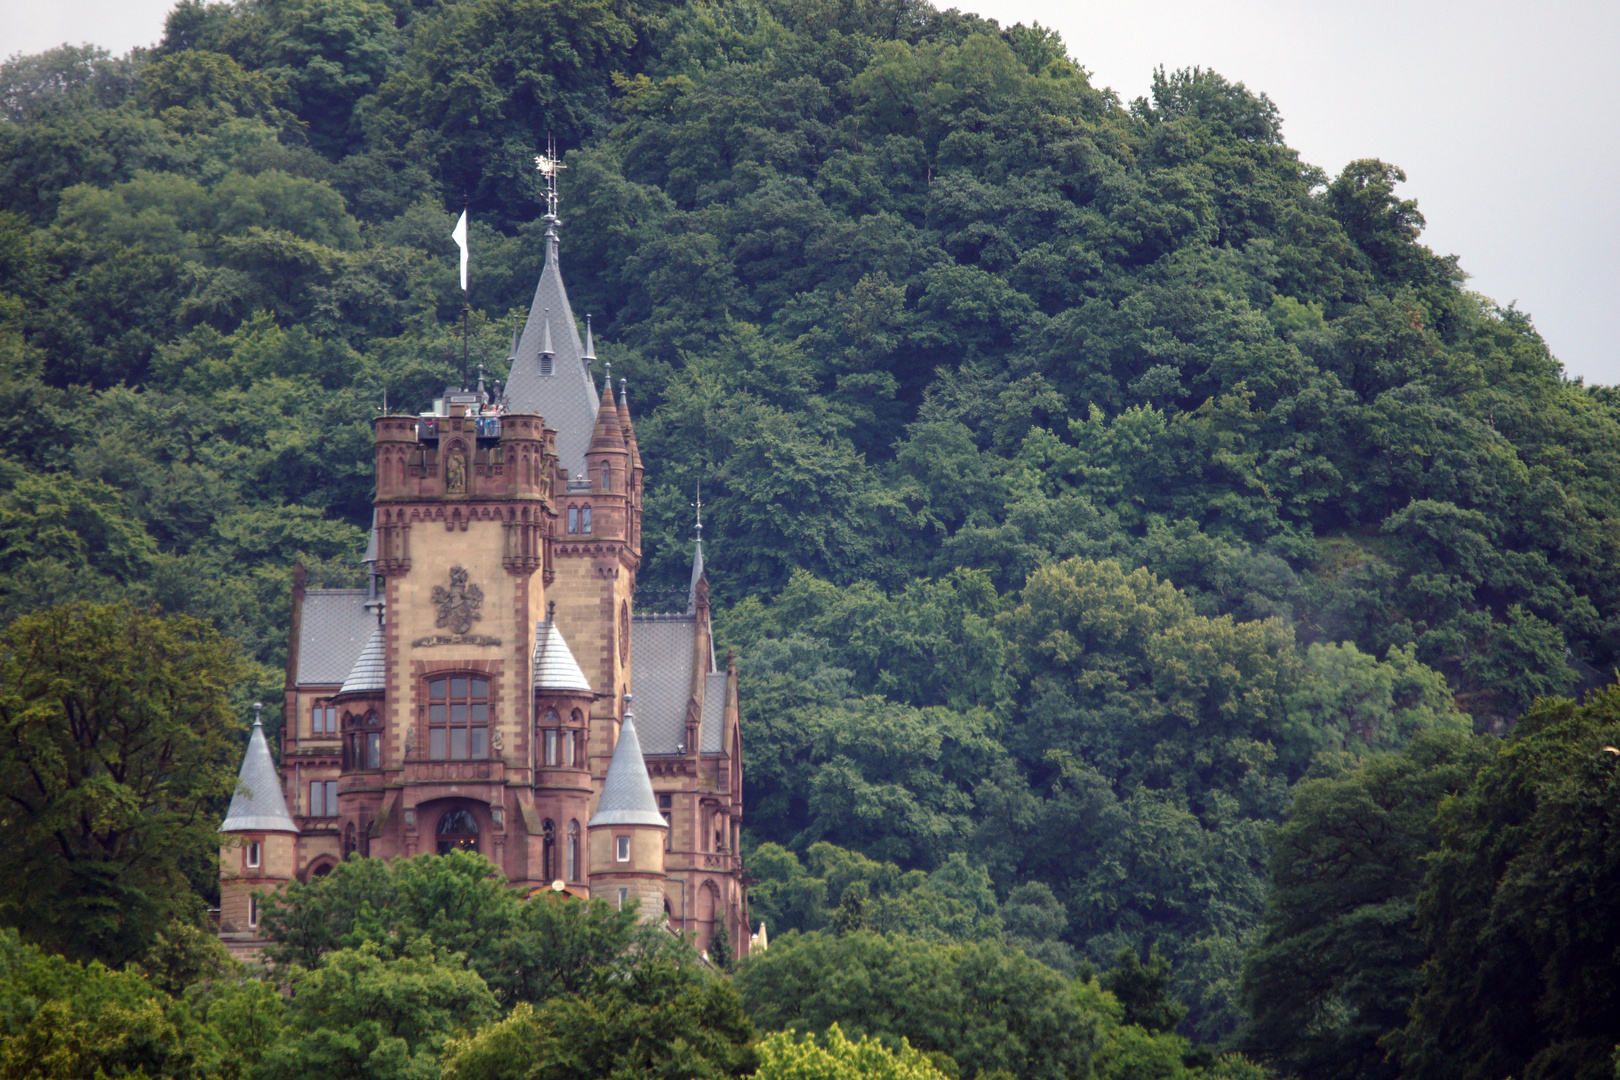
(563, 783)
(485, 711)
(627, 833)
(258, 839)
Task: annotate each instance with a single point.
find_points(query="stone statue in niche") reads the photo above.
(455, 472)
(458, 605)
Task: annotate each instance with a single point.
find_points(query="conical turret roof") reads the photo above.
(257, 804)
(368, 676)
(607, 435)
(627, 793)
(566, 398)
(554, 665)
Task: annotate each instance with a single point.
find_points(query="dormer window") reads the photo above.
(546, 363)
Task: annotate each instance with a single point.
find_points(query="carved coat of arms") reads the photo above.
(458, 605)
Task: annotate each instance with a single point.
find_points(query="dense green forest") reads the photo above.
(1140, 548)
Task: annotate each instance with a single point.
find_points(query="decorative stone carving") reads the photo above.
(458, 605)
(455, 472)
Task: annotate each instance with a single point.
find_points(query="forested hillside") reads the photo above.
(1081, 477)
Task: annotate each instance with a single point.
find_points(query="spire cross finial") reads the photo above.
(549, 167)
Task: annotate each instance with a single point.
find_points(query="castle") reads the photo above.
(495, 689)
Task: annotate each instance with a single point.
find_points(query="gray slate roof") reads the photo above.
(334, 632)
(627, 793)
(554, 664)
(567, 398)
(368, 676)
(257, 803)
(714, 712)
(661, 673)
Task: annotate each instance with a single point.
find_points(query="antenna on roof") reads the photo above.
(550, 165)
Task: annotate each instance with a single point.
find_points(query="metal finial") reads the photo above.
(258, 714)
(698, 505)
(607, 387)
(549, 166)
(551, 611)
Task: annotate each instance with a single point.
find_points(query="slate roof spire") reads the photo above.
(257, 804)
(627, 792)
(697, 559)
(369, 674)
(567, 398)
(554, 665)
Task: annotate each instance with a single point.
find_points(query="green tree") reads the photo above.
(1514, 908)
(363, 1014)
(1341, 956)
(785, 1055)
(663, 1019)
(985, 1007)
(117, 747)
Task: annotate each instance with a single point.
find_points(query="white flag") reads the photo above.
(460, 237)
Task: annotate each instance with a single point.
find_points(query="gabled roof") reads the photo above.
(333, 633)
(554, 665)
(661, 673)
(368, 676)
(257, 804)
(567, 398)
(627, 794)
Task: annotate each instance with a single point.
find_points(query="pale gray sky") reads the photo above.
(1505, 116)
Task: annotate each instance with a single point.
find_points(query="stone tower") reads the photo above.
(258, 846)
(627, 833)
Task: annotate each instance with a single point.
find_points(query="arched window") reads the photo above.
(349, 845)
(458, 831)
(551, 735)
(548, 849)
(573, 851)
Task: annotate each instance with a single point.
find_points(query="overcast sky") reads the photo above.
(1505, 116)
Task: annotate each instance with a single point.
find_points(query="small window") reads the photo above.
(253, 911)
(585, 519)
(253, 855)
(551, 746)
(573, 519)
(624, 894)
(323, 798)
(323, 719)
(621, 849)
(569, 738)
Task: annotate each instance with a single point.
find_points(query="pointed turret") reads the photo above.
(567, 398)
(627, 793)
(626, 426)
(555, 668)
(628, 833)
(607, 435)
(369, 674)
(257, 805)
(258, 844)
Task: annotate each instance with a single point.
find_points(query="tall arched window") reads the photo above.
(458, 831)
(573, 851)
(550, 736)
(548, 851)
